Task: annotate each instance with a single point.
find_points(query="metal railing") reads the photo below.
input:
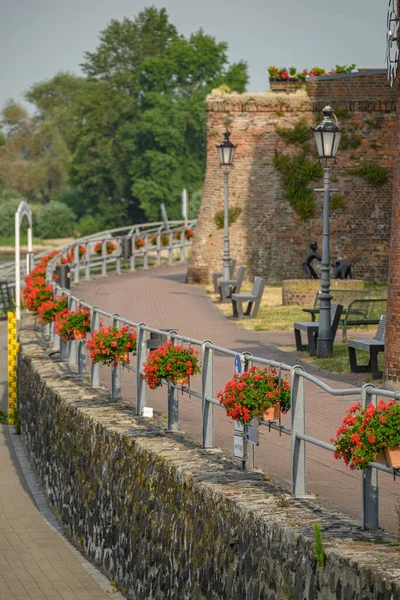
(145, 230)
(75, 351)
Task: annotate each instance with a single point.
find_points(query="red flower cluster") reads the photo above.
(164, 239)
(365, 432)
(36, 292)
(188, 234)
(110, 345)
(67, 322)
(110, 247)
(170, 361)
(49, 309)
(139, 243)
(250, 394)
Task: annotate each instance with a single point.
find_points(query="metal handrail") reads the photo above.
(75, 351)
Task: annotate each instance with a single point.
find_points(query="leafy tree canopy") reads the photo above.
(128, 135)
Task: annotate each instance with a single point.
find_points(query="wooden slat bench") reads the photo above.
(312, 328)
(373, 346)
(253, 299)
(218, 276)
(226, 288)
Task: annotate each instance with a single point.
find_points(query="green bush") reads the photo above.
(90, 224)
(56, 220)
(371, 172)
(233, 215)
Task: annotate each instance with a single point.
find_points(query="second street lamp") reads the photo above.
(226, 153)
(327, 138)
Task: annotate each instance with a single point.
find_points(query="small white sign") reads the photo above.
(238, 446)
(238, 427)
(252, 432)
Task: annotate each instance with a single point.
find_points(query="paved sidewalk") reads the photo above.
(36, 560)
(160, 298)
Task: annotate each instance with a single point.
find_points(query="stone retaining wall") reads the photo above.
(168, 520)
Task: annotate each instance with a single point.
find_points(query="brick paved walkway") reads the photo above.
(36, 561)
(159, 297)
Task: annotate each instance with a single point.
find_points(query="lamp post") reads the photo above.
(327, 137)
(226, 153)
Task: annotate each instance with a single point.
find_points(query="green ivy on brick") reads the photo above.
(371, 172)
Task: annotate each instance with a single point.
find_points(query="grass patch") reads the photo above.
(339, 363)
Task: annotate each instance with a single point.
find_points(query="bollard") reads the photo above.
(12, 367)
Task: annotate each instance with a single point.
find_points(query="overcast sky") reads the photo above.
(42, 37)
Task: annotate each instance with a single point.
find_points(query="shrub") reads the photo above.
(90, 224)
(233, 215)
(56, 220)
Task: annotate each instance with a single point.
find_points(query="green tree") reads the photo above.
(56, 220)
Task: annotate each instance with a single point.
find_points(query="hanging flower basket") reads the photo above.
(111, 346)
(73, 324)
(173, 363)
(188, 234)
(253, 394)
(110, 247)
(48, 311)
(164, 240)
(369, 434)
(139, 243)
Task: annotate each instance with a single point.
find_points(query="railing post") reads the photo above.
(158, 250)
(207, 391)
(141, 350)
(170, 249)
(298, 447)
(73, 344)
(173, 403)
(119, 250)
(132, 258)
(81, 354)
(146, 253)
(182, 246)
(87, 256)
(95, 367)
(104, 258)
(369, 477)
(116, 370)
(77, 261)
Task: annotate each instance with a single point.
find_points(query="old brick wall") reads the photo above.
(167, 520)
(269, 237)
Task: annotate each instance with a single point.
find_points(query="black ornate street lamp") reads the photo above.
(226, 154)
(327, 138)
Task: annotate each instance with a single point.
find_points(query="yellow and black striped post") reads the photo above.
(12, 367)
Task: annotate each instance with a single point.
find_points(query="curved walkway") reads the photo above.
(36, 560)
(160, 298)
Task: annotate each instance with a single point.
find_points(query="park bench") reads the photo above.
(253, 299)
(311, 328)
(373, 346)
(217, 276)
(6, 297)
(362, 312)
(227, 287)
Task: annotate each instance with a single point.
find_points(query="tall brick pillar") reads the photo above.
(391, 369)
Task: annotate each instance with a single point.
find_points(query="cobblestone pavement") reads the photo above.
(159, 297)
(36, 560)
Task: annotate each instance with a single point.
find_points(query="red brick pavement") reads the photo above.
(160, 298)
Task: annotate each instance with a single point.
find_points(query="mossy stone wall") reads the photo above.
(168, 520)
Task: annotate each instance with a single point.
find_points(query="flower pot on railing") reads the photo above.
(370, 434)
(272, 413)
(390, 457)
(173, 363)
(259, 393)
(79, 335)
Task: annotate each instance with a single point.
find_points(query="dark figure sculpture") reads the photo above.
(342, 269)
(306, 264)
